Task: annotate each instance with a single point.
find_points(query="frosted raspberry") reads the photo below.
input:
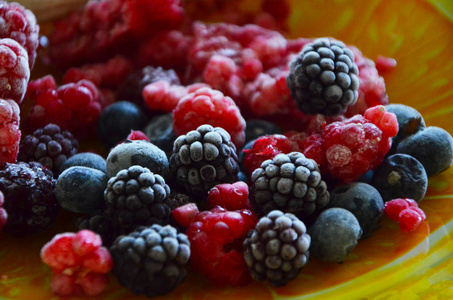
(168, 49)
(72, 106)
(14, 70)
(208, 106)
(216, 239)
(357, 145)
(230, 196)
(265, 148)
(105, 27)
(311, 146)
(19, 24)
(385, 64)
(79, 263)
(137, 135)
(163, 96)
(107, 75)
(3, 213)
(9, 130)
(220, 73)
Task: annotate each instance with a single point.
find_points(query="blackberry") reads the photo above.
(132, 87)
(50, 146)
(100, 223)
(277, 249)
(290, 183)
(203, 158)
(323, 78)
(178, 199)
(136, 196)
(151, 260)
(29, 198)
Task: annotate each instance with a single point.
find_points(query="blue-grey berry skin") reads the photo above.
(257, 128)
(85, 159)
(364, 201)
(432, 146)
(81, 189)
(160, 132)
(117, 120)
(140, 153)
(401, 176)
(334, 234)
(409, 122)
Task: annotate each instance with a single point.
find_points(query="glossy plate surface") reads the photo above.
(388, 265)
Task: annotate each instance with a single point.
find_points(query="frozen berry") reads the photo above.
(140, 153)
(364, 201)
(99, 222)
(185, 214)
(160, 132)
(117, 120)
(400, 176)
(409, 122)
(137, 135)
(85, 159)
(394, 207)
(208, 106)
(81, 189)
(410, 218)
(432, 146)
(3, 213)
(216, 239)
(19, 24)
(9, 130)
(15, 70)
(324, 78)
(29, 190)
(334, 235)
(50, 146)
(230, 196)
(79, 263)
(257, 128)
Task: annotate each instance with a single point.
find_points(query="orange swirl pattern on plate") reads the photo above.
(388, 265)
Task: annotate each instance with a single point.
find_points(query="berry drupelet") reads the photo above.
(151, 260)
(203, 158)
(323, 78)
(277, 249)
(50, 146)
(29, 190)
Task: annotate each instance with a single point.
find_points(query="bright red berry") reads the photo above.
(394, 207)
(216, 239)
(137, 135)
(410, 218)
(185, 214)
(79, 263)
(230, 196)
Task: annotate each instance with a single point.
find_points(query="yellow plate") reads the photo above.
(388, 265)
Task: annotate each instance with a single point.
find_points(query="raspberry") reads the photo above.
(264, 148)
(19, 24)
(49, 146)
(15, 71)
(106, 27)
(394, 207)
(216, 238)
(79, 263)
(106, 75)
(410, 218)
(163, 96)
(3, 213)
(137, 135)
(385, 64)
(208, 106)
(357, 145)
(168, 49)
(9, 130)
(230, 196)
(73, 106)
(311, 146)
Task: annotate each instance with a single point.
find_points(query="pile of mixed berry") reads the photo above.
(226, 146)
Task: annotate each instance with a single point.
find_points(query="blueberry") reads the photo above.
(257, 128)
(409, 122)
(81, 189)
(85, 159)
(241, 156)
(140, 153)
(364, 201)
(117, 120)
(160, 132)
(334, 234)
(401, 176)
(367, 177)
(433, 147)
